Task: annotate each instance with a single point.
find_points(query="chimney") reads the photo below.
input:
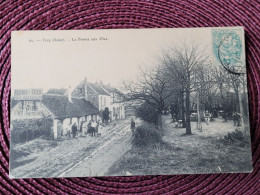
(69, 94)
(86, 88)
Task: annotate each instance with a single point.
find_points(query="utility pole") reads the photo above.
(241, 109)
(199, 126)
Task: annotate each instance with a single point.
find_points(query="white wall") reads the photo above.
(119, 108)
(123, 111)
(107, 101)
(55, 128)
(104, 101)
(66, 122)
(28, 111)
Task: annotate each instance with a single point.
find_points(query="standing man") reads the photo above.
(74, 130)
(81, 126)
(236, 119)
(132, 126)
(68, 131)
(89, 127)
(207, 116)
(93, 128)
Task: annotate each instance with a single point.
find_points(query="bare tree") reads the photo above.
(222, 82)
(183, 65)
(152, 87)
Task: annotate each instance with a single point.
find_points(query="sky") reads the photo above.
(40, 61)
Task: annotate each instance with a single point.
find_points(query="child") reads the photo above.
(69, 134)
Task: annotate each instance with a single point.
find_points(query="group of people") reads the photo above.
(236, 118)
(90, 127)
(71, 130)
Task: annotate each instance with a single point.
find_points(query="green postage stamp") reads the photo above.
(228, 49)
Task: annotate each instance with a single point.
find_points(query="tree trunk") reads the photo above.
(246, 111)
(237, 108)
(188, 127)
(241, 109)
(182, 111)
(223, 102)
(160, 120)
(199, 126)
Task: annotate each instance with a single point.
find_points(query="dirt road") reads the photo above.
(98, 162)
(83, 156)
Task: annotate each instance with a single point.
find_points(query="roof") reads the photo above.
(14, 102)
(110, 89)
(97, 88)
(57, 91)
(61, 107)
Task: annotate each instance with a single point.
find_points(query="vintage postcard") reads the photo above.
(129, 102)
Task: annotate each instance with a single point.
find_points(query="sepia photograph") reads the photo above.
(88, 103)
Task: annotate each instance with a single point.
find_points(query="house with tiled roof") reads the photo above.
(62, 109)
(56, 91)
(101, 96)
(116, 95)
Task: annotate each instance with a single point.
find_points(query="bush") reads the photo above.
(147, 113)
(146, 135)
(29, 129)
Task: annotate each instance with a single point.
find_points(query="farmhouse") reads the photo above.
(62, 109)
(102, 96)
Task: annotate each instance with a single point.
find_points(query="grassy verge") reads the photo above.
(19, 154)
(205, 155)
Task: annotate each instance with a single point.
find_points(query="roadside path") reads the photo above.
(98, 162)
(83, 156)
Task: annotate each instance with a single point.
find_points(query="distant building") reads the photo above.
(66, 106)
(63, 109)
(57, 91)
(102, 96)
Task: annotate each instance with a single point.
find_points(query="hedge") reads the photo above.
(29, 129)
